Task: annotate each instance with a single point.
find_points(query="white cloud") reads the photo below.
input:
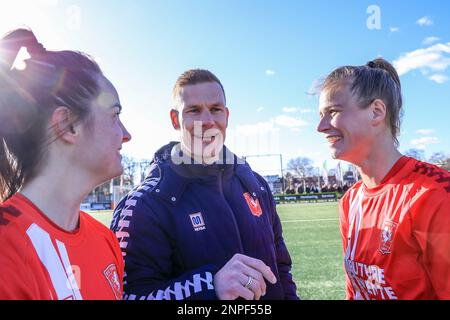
(430, 40)
(315, 87)
(270, 72)
(425, 132)
(435, 58)
(421, 143)
(424, 21)
(255, 128)
(295, 109)
(439, 78)
(394, 29)
(263, 135)
(260, 109)
(256, 138)
(271, 125)
(48, 2)
(290, 109)
(285, 121)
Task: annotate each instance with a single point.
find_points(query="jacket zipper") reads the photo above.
(232, 213)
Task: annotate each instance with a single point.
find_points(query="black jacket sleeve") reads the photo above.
(148, 256)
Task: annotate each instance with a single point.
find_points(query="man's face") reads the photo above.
(202, 119)
(346, 125)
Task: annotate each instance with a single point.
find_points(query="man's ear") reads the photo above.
(62, 124)
(378, 111)
(174, 117)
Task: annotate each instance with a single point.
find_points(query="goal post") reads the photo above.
(119, 192)
(267, 165)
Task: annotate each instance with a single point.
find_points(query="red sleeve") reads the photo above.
(17, 281)
(432, 232)
(343, 217)
(12, 283)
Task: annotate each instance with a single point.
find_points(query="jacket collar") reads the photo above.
(249, 180)
(175, 178)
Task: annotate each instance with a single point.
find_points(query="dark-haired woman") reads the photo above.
(60, 137)
(395, 223)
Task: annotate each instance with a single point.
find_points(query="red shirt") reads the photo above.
(396, 236)
(39, 260)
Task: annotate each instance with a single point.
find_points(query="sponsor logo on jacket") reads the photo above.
(197, 221)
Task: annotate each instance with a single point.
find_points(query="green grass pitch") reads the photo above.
(311, 233)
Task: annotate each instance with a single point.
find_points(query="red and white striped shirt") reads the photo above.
(39, 260)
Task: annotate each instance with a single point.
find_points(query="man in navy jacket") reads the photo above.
(202, 225)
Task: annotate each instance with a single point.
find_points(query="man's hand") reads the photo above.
(243, 276)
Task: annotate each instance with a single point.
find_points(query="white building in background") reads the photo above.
(274, 182)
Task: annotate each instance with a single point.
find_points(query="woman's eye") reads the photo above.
(117, 115)
(333, 112)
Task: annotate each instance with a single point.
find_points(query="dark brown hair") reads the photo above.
(28, 97)
(377, 79)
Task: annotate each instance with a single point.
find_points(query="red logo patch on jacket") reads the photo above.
(253, 204)
(113, 278)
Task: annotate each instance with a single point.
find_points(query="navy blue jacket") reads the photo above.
(184, 222)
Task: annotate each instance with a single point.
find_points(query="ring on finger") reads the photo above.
(249, 282)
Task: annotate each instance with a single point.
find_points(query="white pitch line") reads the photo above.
(309, 220)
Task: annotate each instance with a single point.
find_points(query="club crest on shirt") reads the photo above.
(197, 221)
(387, 236)
(253, 205)
(113, 279)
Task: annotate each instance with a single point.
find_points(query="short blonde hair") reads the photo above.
(195, 76)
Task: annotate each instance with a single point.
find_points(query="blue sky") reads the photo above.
(268, 54)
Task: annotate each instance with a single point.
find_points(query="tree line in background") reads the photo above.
(301, 176)
(438, 158)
